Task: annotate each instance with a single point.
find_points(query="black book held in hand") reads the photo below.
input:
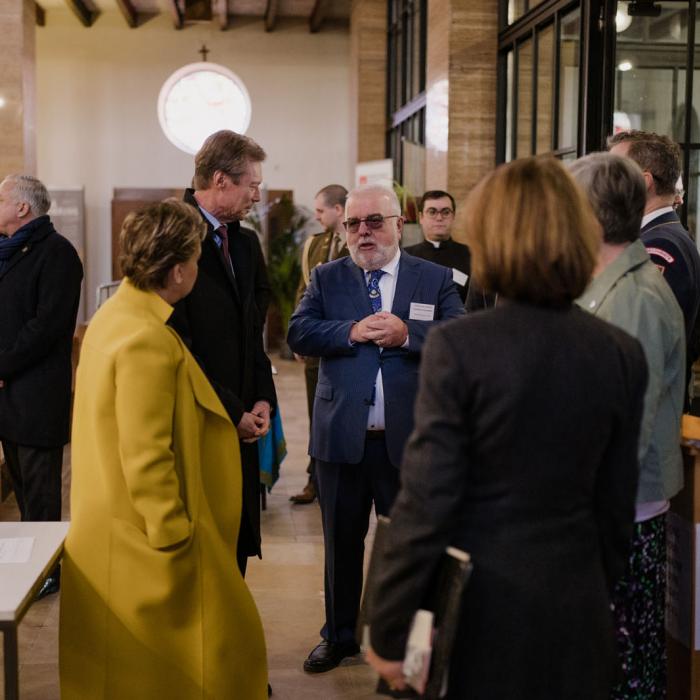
(443, 604)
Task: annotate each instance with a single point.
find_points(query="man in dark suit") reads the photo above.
(669, 246)
(40, 278)
(221, 319)
(329, 207)
(366, 317)
(437, 216)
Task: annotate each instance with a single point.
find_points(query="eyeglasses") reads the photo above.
(373, 222)
(432, 212)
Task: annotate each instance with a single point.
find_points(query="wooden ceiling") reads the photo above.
(222, 13)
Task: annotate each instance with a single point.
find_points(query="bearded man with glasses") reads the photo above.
(366, 317)
(436, 215)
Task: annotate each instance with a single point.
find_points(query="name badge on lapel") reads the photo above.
(421, 312)
(459, 277)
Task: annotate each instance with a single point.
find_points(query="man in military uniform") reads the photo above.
(329, 245)
(436, 217)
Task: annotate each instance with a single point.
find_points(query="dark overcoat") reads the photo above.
(39, 297)
(221, 322)
(524, 454)
(450, 254)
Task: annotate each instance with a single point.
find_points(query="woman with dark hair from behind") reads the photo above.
(524, 454)
(153, 604)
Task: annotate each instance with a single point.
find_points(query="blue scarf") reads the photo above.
(10, 245)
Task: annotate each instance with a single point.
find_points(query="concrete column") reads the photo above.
(461, 93)
(368, 47)
(17, 88)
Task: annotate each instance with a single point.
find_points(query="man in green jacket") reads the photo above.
(328, 245)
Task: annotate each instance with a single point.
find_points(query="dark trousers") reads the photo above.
(311, 376)
(346, 493)
(36, 480)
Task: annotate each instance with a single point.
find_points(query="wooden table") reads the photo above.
(19, 584)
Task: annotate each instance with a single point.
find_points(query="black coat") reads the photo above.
(39, 297)
(524, 454)
(672, 250)
(221, 322)
(449, 254)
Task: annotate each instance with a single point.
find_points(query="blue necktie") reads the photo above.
(375, 295)
(375, 298)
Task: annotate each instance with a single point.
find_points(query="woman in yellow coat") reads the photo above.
(153, 604)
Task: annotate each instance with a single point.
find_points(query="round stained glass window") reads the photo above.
(199, 99)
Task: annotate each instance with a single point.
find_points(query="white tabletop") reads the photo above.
(17, 581)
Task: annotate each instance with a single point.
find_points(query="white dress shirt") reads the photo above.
(387, 287)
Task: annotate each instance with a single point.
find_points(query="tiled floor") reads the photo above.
(287, 584)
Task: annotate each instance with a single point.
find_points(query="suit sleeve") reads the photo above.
(616, 481)
(262, 290)
(645, 320)
(433, 481)
(669, 258)
(305, 270)
(313, 335)
(264, 383)
(180, 322)
(57, 304)
(449, 306)
(145, 380)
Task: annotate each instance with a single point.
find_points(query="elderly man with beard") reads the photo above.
(366, 317)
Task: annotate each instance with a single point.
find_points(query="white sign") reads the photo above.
(375, 172)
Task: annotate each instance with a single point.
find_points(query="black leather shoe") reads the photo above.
(52, 584)
(269, 690)
(328, 655)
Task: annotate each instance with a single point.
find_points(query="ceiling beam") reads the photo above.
(221, 12)
(84, 10)
(129, 13)
(317, 16)
(271, 15)
(40, 15)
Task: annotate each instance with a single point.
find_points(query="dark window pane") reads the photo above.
(545, 88)
(650, 70)
(569, 79)
(509, 107)
(524, 126)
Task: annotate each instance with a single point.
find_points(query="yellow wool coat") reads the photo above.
(152, 603)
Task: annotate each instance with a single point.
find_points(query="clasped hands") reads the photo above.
(383, 328)
(254, 423)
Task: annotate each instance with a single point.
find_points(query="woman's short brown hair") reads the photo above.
(532, 233)
(156, 238)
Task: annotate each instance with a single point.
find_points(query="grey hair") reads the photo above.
(378, 190)
(29, 190)
(616, 190)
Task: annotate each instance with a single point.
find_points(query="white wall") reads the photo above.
(97, 108)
